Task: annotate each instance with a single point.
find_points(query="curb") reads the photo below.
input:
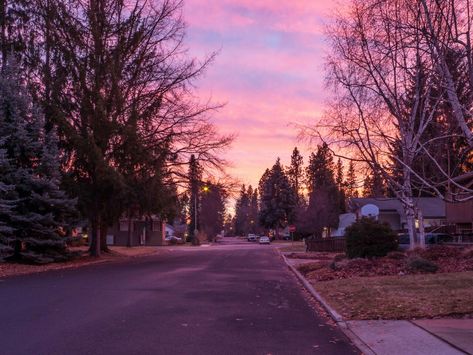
(344, 327)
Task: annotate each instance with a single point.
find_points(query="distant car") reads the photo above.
(287, 237)
(264, 240)
(173, 238)
(251, 238)
(430, 239)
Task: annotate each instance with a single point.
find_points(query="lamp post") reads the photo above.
(205, 188)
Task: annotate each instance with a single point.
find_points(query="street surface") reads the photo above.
(234, 298)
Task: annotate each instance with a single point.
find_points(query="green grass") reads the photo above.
(400, 297)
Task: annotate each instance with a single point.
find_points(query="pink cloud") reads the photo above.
(269, 72)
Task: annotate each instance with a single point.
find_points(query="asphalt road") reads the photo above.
(229, 299)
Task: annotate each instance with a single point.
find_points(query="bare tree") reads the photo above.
(387, 96)
(447, 28)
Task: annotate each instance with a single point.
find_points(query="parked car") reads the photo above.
(430, 239)
(173, 238)
(264, 240)
(251, 238)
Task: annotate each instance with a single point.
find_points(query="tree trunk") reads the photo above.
(407, 199)
(420, 218)
(103, 237)
(130, 234)
(411, 226)
(94, 238)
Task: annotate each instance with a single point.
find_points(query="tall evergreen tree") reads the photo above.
(115, 80)
(295, 172)
(16, 30)
(350, 182)
(340, 185)
(277, 199)
(374, 186)
(6, 206)
(42, 210)
(212, 215)
(324, 206)
(242, 213)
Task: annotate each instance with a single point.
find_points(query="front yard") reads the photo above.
(400, 297)
(431, 283)
(11, 269)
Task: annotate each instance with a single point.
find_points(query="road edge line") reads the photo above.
(341, 323)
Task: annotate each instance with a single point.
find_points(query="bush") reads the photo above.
(368, 238)
(419, 264)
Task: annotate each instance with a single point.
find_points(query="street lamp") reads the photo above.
(205, 188)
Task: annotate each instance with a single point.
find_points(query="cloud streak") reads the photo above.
(269, 72)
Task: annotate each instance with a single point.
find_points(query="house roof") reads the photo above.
(431, 207)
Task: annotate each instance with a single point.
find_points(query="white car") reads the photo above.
(170, 238)
(264, 240)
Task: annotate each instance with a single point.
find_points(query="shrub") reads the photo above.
(370, 238)
(419, 264)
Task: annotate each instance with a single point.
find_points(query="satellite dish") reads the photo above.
(370, 210)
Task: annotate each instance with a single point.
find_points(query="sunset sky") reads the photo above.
(269, 72)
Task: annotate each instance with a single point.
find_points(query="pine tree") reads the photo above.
(324, 204)
(212, 215)
(277, 199)
(367, 186)
(340, 185)
(242, 213)
(374, 186)
(350, 182)
(6, 207)
(296, 172)
(15, 29)
(41, 209)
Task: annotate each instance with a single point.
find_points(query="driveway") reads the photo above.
(226, 299)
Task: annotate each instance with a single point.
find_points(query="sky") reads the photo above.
(269, 73)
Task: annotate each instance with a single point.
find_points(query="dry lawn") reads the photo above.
(290, 247)
(117, 253)
(400, 297)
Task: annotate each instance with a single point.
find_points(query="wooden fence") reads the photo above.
(327, 244)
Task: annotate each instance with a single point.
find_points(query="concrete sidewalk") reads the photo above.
(405, 337)
(458, 332)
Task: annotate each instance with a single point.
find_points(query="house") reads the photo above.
(344, 221)
(148, 230)
(169, 230)
(392, 211)
(460, 214)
